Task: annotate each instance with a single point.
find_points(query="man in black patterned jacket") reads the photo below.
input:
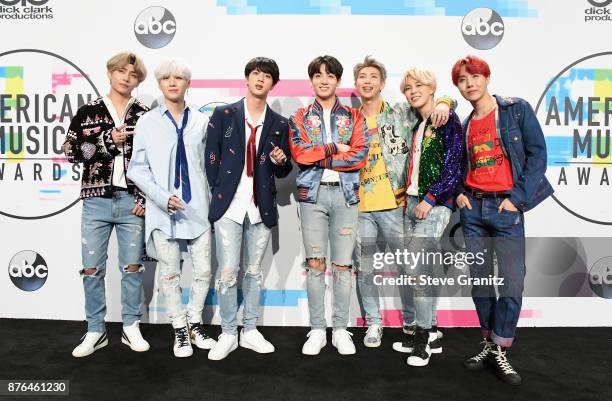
(100, 136)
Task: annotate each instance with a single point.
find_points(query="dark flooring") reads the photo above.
(556, 364)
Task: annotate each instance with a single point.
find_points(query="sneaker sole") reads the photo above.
(372, 345)
(436, 350)
(315, 353)
(246, 345)
(183, 356)
(97, 347)
(214, 358)
(401, 349)
(417, 362)
(124, 341)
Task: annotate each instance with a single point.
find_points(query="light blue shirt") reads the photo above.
(152, 170)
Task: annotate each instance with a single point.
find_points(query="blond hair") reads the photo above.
(370, 61)
(425, 77)
(122, 59)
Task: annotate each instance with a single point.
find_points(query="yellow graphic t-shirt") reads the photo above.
(375, 190)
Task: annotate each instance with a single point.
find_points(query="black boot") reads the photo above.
(476, 362)
(498, 360)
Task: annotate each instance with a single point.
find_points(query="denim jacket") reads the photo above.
(309, 149)
(524, 145)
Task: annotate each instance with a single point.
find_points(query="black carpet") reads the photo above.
(556, 364)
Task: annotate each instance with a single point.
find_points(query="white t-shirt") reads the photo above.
(413, 189)
(329, 175)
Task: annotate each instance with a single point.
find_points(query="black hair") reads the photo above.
(265, 65)
(332, 65)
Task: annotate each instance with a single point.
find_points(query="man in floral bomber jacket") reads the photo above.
(100, 137)
(329, 143)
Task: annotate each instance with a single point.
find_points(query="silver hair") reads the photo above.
(175, 67)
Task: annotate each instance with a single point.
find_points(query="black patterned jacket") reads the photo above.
(89, 141)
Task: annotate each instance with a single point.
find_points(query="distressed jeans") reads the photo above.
(329, 219)
(389, 224)
(229, 237)
(424, 236)
(99, 217)
(169, 263)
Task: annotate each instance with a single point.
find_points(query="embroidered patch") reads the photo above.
(232, 151)
(277, 133)
(228, 132)
(313, 121)
(342, 121)
(212, 157)
(88, 149)
(262, 158)
(226, 111)
(211, 125)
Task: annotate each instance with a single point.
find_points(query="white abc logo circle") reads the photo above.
(155, 27)
(482, 28)
(28, 270)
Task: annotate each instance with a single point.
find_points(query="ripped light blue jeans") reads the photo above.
(99, 217)
(169, 263)
(229, 236)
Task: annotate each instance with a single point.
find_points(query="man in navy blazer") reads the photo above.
(246, 147)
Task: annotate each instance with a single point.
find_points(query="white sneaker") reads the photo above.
(225, 344)
(255, 341)
(341, 339)
(131, 337)
(90, 342)
(182, 345)
(317, 339)
(373, 336)
(198, 336)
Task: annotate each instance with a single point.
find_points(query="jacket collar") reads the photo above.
(319, 109)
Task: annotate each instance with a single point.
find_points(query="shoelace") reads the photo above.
(181, 336)
(502, 362)
(199, 331)
(486, 349)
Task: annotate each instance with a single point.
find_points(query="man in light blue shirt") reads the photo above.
(168, 166)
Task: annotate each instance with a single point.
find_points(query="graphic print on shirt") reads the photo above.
(485, 150)
(396, 144)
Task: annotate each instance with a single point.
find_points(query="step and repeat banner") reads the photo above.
(556, 55)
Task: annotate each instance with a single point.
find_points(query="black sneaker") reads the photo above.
(435, 342)
(498, 360)
(420, 352)
(409, 329)
(404, 346)
(476, 362)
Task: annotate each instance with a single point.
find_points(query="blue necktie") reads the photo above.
(181, 169)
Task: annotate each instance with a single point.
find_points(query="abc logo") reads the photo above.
(155, 27)
(28, 270)
(23, 2)
(600, 277)
(482, 28)
(600, 3)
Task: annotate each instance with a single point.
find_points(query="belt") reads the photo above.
(487, 195)
(331, 183)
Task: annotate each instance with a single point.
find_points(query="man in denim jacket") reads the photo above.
(504, 165)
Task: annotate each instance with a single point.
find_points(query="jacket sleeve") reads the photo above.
(356, 157)
(450, 174)
(534, 146)
(88, 146)
(212, 149)
(139, 171)
(285, 169)
(302, 149)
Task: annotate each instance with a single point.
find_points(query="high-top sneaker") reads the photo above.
(90, 343)
(182, 345)
(421, 352)
(498, 360)
(198, 336)
(476, 362)
(406, 346)
(373, 336)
